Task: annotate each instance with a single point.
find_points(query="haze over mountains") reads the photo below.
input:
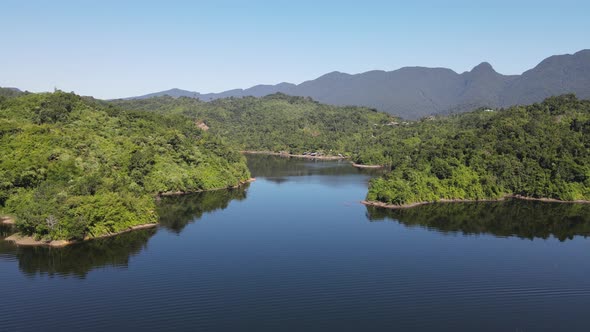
(413, 92)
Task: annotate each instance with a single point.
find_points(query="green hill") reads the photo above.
(538, 151)
(275, 123)
(72, 167)
(9, 93)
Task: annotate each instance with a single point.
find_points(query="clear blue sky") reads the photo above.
(112, 49)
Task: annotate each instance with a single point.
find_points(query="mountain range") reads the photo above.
(413, 92)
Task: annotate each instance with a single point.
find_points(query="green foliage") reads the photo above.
(72, 167)
(276, 122)
(537, 151)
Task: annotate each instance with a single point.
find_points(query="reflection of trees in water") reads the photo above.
(6, 249)
(79, 259)
(277, 168)
(5, 231)
(525, 219)
(177, 211)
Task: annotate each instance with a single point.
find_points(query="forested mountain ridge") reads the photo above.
(72, 167)
(414, 92)
(536, 151)
(276, 122)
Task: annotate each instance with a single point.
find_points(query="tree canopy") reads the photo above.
(75, 167)
(72, 167)
(276, 122)
(538, 151)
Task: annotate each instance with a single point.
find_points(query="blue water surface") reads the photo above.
(296, 251)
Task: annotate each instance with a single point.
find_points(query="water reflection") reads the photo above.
(5, 231)
(524, 219)
(77, 260)
(279, 169)
(6, 248)
(178, 211)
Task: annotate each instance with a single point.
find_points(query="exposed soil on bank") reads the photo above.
(304, 156)
(411, 205)
(367, 166)
(22, 240)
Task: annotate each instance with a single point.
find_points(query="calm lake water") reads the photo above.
(295, 251)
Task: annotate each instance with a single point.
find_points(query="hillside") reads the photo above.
(73, 168)
(275, 122)
(535, 151)
(10, 92)
(414, 92)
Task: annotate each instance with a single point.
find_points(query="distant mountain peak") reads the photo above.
(285, 84)
(334, 74)
(174, 92)
(483, 67)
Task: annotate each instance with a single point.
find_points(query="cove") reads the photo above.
(295, 250)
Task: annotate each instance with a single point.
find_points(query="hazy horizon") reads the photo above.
(111, 50)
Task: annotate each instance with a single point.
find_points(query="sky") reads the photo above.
(112, 49)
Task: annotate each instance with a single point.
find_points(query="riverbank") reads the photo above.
(366, 166)
(307, 156)
(6, 220)
(180, 193)
(303, 156)
(412, 205)
(23, 240)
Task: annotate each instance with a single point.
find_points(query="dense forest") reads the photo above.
(276, 122)
(538, 151)
(73, 167)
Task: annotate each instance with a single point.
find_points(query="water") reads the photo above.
(296, 251)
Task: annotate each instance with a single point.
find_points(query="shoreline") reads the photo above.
(303, 156)
(180, 193)
(29, 241)
(446, 200)
(366, 166)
